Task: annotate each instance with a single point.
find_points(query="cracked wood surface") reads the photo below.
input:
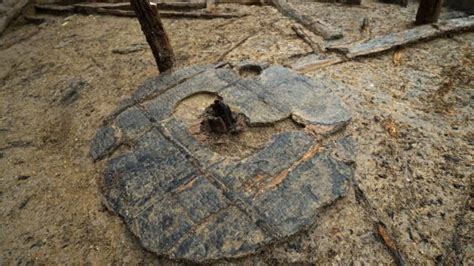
(393, 40)
(184, 201)
(317, 26)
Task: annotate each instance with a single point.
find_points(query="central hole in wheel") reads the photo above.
(240, 140)
(218, 118)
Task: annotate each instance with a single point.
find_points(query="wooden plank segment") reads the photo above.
(392, 40)
(108, 10)
(316, 26)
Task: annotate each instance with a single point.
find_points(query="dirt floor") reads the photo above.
(412, 121)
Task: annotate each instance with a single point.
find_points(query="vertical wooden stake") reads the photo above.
(155, 33)
(428, 11)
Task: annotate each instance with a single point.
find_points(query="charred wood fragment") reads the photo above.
(218, 118)
(318, 27)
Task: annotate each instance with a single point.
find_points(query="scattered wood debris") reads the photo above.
(364, 29)
(239, 43)
(403, 3)
(347, 2)
(391, 127)
(121, 12)
(380, 229)
(18, 38)
(397, 57)
(352, 2)
(17, 144)
(34, 19)
(391, 245)
(312, 62)
(301, 32)
(127, 6)
(130, 49)
(9, 10)
(243, 2)
(199, 15)
(316, 26)
(23, 177)
(393, 40)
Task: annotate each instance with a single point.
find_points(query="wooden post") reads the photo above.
(155, 33)
(428, 11)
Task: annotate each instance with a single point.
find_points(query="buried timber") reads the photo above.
(186, 197)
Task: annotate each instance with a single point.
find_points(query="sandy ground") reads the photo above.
(412, 120)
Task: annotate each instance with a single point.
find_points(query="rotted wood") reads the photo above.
(428, 11)
(6, 43)
(348, 2)
(403, 3)
(54, 9)
(244, 2)
(311, 62)
(127, 6)
(123, 12)
(352, 2)
(181, 6)
(200, 15)
(316, 26)
(393, 40)
(34, 19)
(155, 33)
(301, 32)
(15, 9)
(218, 118)
(161, 6)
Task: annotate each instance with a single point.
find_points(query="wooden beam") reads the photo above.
(393, 40)
(352, 2)
(428, 11)
(300, 32)
(121, 12)
(13, 9)
(155, 33)
(312, 62)
(161, 6)
(316, 26)
(199, 15)
(403, 3)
